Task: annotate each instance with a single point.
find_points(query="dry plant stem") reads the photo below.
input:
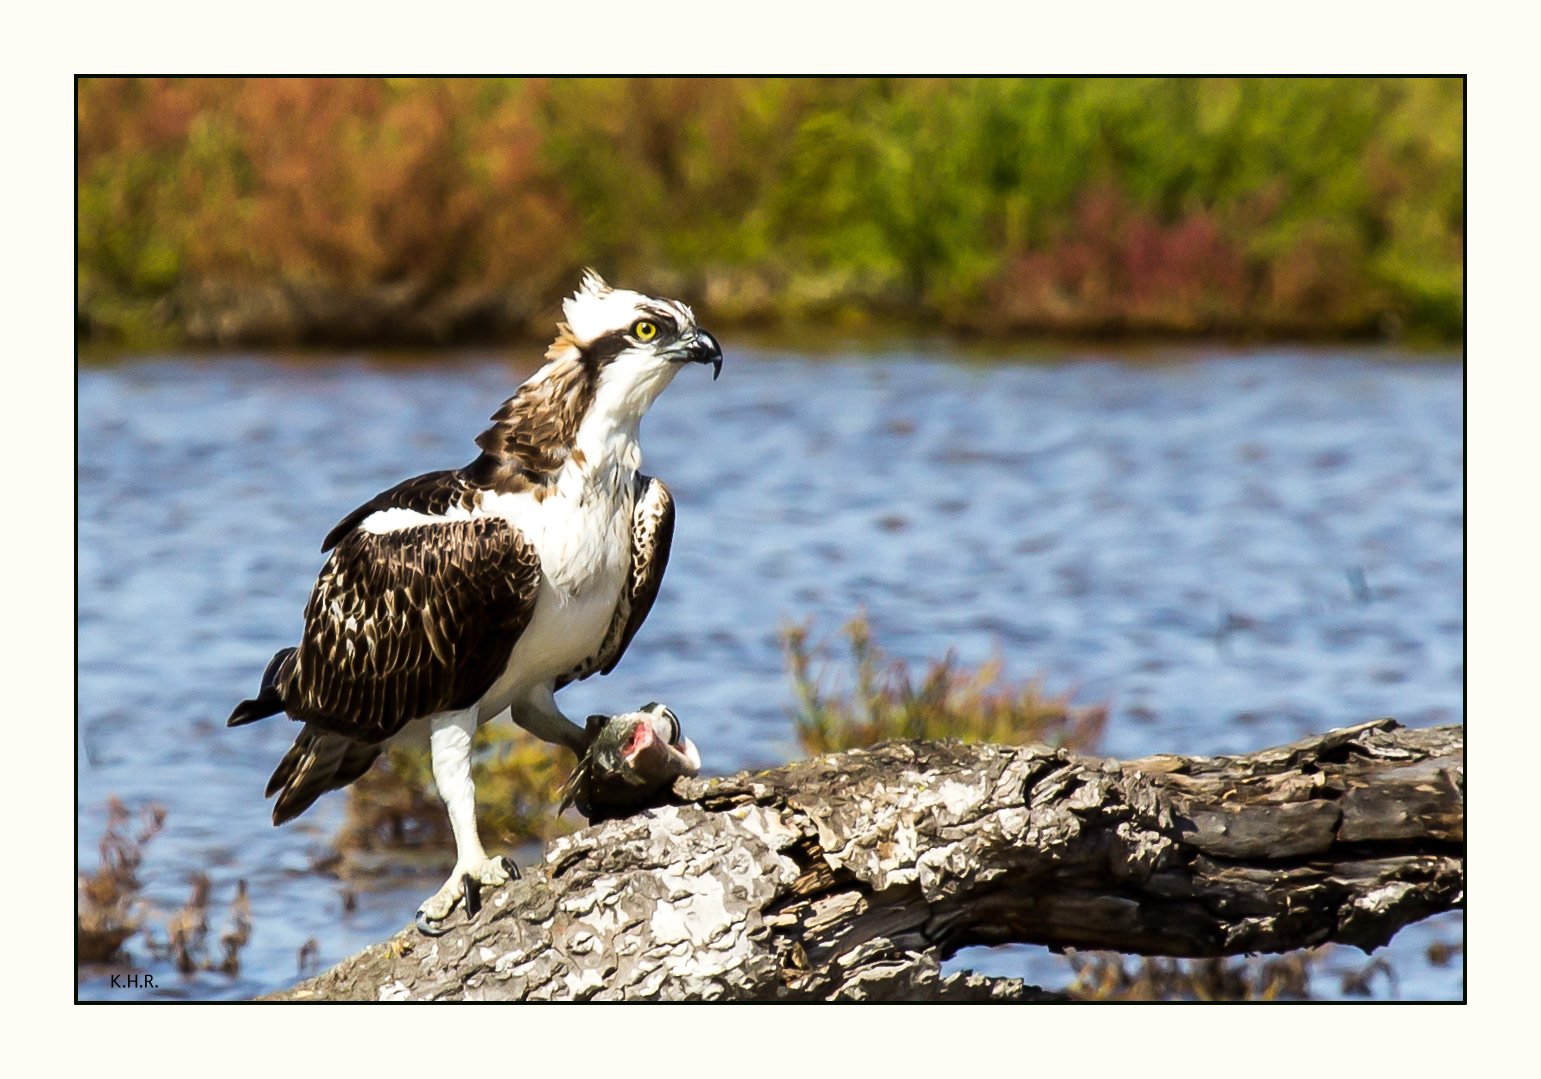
(186, 943)
(853, 875)
(107, 914)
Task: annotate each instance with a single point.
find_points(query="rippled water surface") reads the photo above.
(1233, 550)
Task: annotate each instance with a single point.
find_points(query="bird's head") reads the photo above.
(635, 343)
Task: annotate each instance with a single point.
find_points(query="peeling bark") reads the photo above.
(853, 875)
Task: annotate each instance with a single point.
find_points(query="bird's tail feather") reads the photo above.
(268, 701)
(317, 762)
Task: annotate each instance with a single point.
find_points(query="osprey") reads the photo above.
(456, 596)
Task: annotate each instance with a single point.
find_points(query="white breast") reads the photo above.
(582, 533)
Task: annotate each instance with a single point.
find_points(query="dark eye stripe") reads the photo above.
(607, 347)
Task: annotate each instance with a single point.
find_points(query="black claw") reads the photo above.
(428, 927)
(473, 892)
(508, 864)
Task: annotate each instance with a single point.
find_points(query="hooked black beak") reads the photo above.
(705, 349)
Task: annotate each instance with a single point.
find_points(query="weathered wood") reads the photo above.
(853, 875)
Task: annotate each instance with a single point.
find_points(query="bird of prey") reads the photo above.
(458, 595)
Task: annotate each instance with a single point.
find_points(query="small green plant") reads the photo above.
(518, 788)
(951, 701)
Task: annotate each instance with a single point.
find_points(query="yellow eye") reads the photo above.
(645, 330)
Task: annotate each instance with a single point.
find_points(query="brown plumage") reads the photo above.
(399, 628)
(317, 762)
(535, 428)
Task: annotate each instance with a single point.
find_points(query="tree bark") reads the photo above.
(853, 875)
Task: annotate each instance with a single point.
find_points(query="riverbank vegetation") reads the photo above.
(109, 906)
(436, 210)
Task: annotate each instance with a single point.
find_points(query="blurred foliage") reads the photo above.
(329, 209)
(187, 931)
(1110, 976)
(1287, 976)
(109, 909)
(518, 779)
(950, 702)
(107, 912)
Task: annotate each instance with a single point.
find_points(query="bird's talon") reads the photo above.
(473, 895)
(508, 864)
(428, 927)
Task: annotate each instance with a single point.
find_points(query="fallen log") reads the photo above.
(853, 875)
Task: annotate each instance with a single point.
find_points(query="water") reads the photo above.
(1233, 550)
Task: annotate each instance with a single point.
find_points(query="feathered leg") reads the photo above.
(450, 739)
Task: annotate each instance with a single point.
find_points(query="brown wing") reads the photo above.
(408, 623)
(652, 532)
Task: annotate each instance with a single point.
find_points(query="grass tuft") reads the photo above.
(1111, 976)
(951, 701)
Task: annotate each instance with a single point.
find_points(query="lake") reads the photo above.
(1232, 548)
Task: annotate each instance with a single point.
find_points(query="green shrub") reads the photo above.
(436, 209)
(395, 807)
